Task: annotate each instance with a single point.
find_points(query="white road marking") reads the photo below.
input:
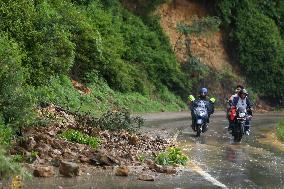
(205, 175)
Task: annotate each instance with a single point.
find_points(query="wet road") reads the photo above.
(249, 164)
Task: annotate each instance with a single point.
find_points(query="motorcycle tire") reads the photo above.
(238, 137)
(198, 130)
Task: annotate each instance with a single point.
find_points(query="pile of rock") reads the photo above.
(116, 149)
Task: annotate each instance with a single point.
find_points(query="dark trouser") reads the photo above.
(247, 125)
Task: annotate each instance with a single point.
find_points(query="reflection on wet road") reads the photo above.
(248, 164)
(215, 158)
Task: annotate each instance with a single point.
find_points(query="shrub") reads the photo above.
(16, 100)
(280, 131)
(172, 156)
(255, 35)
(81, 138)
(119, 119)
(6, 134)
(7, 166)
(261, 52)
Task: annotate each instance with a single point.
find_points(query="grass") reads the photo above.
(81, 138)
(280, 131)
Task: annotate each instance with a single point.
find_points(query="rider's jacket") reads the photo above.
(208, 105)
(244, 103)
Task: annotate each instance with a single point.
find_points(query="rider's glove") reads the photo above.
(191, 98)
(212, 100)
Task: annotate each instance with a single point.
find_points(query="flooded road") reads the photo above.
(249, 164)
(215, 159)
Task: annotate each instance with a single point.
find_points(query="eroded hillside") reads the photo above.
(208, 48)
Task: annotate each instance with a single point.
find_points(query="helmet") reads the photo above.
(243, 91)
(203, 91)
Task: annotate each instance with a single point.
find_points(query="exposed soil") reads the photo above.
(209, 48)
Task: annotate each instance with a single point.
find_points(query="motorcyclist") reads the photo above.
(243, 101)
(209, 104)
(229, 104)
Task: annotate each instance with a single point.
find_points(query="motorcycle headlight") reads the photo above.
(242, 114)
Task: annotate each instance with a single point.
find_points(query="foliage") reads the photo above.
(119, 120)
(280, 130)
(261, 52)
(172, 156)
(141, 158)
(81, 138)
(256, 34)
(18, 158)
(16, 100)
(7, 166)
(6, 134)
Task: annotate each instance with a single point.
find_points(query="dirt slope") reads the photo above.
(209, 49)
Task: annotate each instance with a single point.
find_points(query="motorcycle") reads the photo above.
(201, 115)
(240, 118)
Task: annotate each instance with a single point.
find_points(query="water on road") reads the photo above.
(215, 160)
(249, 164)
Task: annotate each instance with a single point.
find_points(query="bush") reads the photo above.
(16, 100)
(7, 166)
(280, 131)
(6, 134)
(117, 120)
(255, 32)
(172, 156)
(81, 138)
(261, 52)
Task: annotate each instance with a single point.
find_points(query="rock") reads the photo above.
(133, 140)
(101, 158)
(84, 159)
(51, 133)
(43, 171)
(160, 168)
(55, 162)
(105, 134)
(30, 143)
(69, 169)
(122, 171)
(169, 170)
(146, 177)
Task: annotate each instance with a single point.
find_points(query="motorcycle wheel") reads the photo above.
(238, 132)
(238, 137)
(204, 127)
(198, 130)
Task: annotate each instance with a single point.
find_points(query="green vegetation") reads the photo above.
(126, 60)
(256, 38)
(7, 166)
(280, 131)
(173, 155)
(81, 138)
(117, 120)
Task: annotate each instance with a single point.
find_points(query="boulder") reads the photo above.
(43, 171)
(146, 177)
(69, 169)
(122, 171)
(101, 158)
